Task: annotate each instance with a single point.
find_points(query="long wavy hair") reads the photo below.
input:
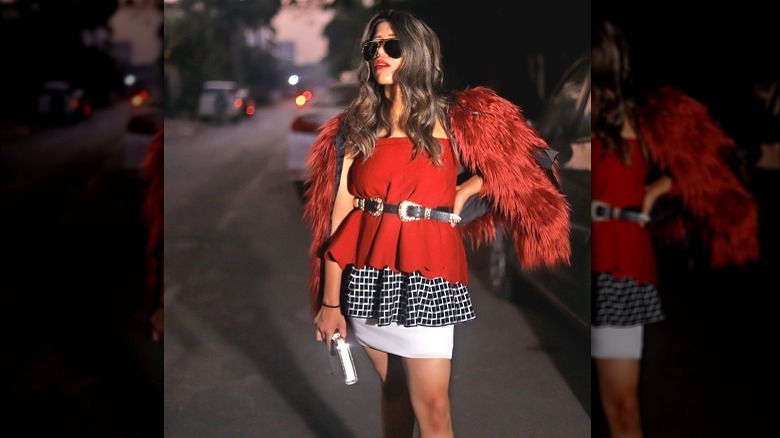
(421, 79)
(613, 102)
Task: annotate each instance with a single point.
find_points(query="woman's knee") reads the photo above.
(624, 412)
(435, 408)
(627, 406)
(434, 418)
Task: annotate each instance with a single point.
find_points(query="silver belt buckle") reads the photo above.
(594, 205)
(379, 207)
(403, 211)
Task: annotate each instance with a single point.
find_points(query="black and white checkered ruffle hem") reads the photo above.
(406, 298)
(625, 302)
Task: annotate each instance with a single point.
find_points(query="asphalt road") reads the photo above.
(76, 356)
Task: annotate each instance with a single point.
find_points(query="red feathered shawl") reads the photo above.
(152, 213)
(492, 139)
(685, 142)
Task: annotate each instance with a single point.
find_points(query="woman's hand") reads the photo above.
(464, 191)
(328, 321)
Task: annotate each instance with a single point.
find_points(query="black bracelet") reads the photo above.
(332, 307)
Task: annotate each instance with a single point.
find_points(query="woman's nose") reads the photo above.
(381, 47)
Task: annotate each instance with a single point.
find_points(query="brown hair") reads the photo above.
(420, 77)
(613, 105)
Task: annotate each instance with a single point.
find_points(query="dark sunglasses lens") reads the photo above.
(393, 48)
(369, 50)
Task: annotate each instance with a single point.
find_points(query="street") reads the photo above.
(240, 357)
(240, 354)
(75, 351)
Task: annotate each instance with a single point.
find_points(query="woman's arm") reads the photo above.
(464, 191)
(655, 190)
(330, 319)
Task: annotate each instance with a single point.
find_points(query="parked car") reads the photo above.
(222, 101)
(304, 128)
(140, 129)
(62, 102)
(564, 121)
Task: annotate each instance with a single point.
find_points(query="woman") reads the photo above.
(666, 147)
(388, 263)
(623, 260)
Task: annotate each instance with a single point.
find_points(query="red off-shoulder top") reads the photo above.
(391, 173)
(621, 248)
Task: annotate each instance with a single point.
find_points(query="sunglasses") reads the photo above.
(392, 47)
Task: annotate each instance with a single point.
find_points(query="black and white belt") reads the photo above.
(406, 210)
(601, 211)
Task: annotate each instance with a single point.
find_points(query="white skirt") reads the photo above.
(412, 342)
(616, 342)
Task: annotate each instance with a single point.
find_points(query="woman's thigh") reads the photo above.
(427, 378)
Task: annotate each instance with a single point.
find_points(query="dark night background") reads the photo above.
(703, 368)
(712, 52)
(489, 42)
(42, 41)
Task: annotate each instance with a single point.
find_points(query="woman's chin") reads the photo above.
(384, 78)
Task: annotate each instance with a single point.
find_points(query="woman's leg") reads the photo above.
(397, 414)
(618, 385)
(617, 352)
(429, 381)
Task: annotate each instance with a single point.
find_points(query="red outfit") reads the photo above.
(685, 143)
(494, 140)
(432, 247)
(622, 248)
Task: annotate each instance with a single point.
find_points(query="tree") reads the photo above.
(343, 34)
(205, 40)
(43, 40)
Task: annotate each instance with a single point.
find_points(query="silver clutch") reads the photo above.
(341, 359)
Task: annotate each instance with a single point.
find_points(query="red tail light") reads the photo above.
(139, 98)
(238, 103)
